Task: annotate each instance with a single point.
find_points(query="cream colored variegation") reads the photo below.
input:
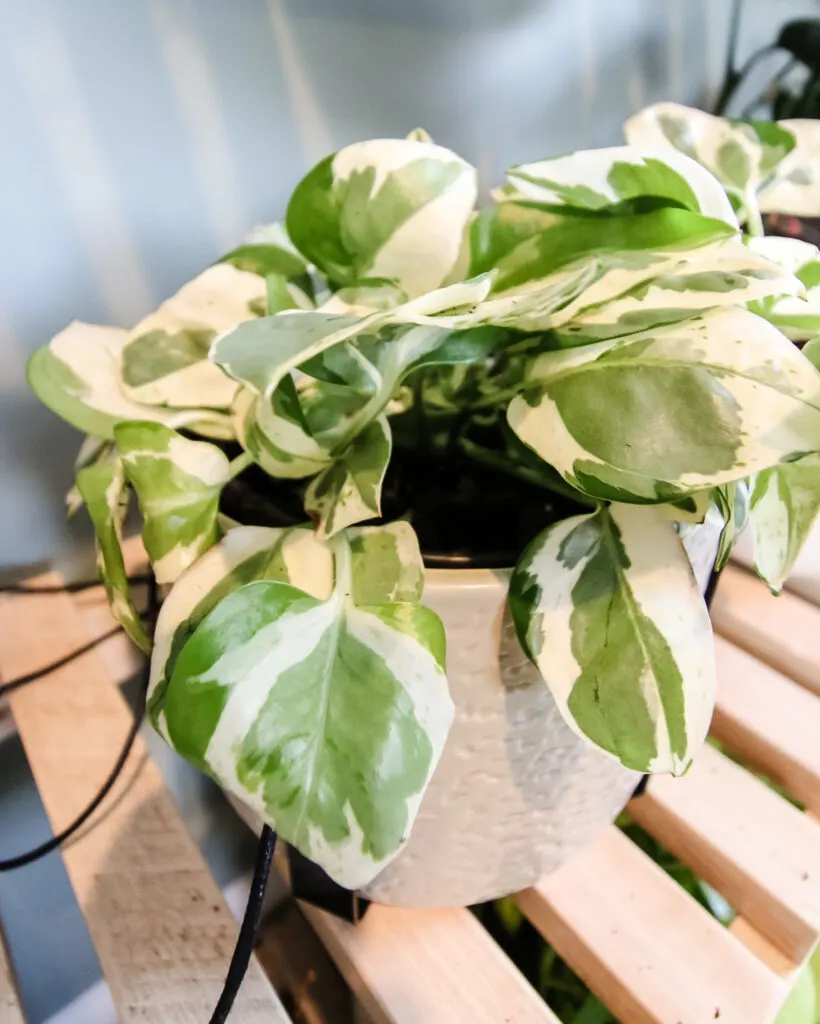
(785, 504)
(771, 388)
(589, 172)
(420, 254)
(214, 301)
(655, 580)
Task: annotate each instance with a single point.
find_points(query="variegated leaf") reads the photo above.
(165, 360)
(262, 352)
(245, 554)
(732, 503)
(664, 413)
(178, 483)
(325, 717)
(104, 491)
(388, 208)
(524, 242)
(729, 274)
(794, 187)
(364, 297)
(798, 317)
(348, 491)
(386, 564)
(276, 433)
(785, 504)
(92, 451)
(78, 376)
(596, 178)
(769, 166)
(607, 607)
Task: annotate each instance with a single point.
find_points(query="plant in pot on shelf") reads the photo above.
(428, 486)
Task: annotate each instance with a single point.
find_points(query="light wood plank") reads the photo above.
(643, 945)
(428, 967)
(155, 914)
(772, 723)
(737, 834)
(782, 631)
(10, 1010)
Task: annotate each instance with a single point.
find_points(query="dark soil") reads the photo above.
(465, 514)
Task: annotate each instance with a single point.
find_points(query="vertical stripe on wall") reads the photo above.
(48, 79)
(314, 133)
(197, 97)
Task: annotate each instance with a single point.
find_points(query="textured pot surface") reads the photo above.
(516, 792)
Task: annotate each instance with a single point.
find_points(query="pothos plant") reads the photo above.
(601, 330)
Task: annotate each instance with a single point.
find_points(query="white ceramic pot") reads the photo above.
(516, 792)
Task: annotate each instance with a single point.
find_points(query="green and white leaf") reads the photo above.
(388, 208)
(742, 155)
(785, 504)
(794, 187)
(77, 376)
(260, 353)
(326, 718)
(673, 410)
(728, 274)
(594, 179)
(386, 564)
(364, 298)
(276, 433)
(92, 451)
(607, 607)
(732, 505)
(105, 493)
(522, 241)
(269, 250)
(165, 360)
(245, 554)
(178, 484)
(797, 316)
(348, 491)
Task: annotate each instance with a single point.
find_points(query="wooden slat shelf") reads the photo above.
(643, 945)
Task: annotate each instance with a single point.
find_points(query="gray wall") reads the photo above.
(142, 137)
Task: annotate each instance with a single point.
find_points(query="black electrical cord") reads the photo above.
(63, 588)
(30, 677)
(52, 844)
(11, 863)
(247, 932)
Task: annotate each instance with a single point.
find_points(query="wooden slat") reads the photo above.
(428, 967)
(772, 723)
(10, 1010)
(643, 945)
(782, 631)
(155, 914)
(784, 967)
(738, 835)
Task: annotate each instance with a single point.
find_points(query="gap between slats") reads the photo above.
(644, 946)
(771, 723)
(782, 631)
(738, 835)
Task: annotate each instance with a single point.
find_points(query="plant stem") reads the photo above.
(754, 222)
(239, 465)
(502, 462)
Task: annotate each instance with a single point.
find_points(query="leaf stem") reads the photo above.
(239, 465)
(343, 569)
(754, 222)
